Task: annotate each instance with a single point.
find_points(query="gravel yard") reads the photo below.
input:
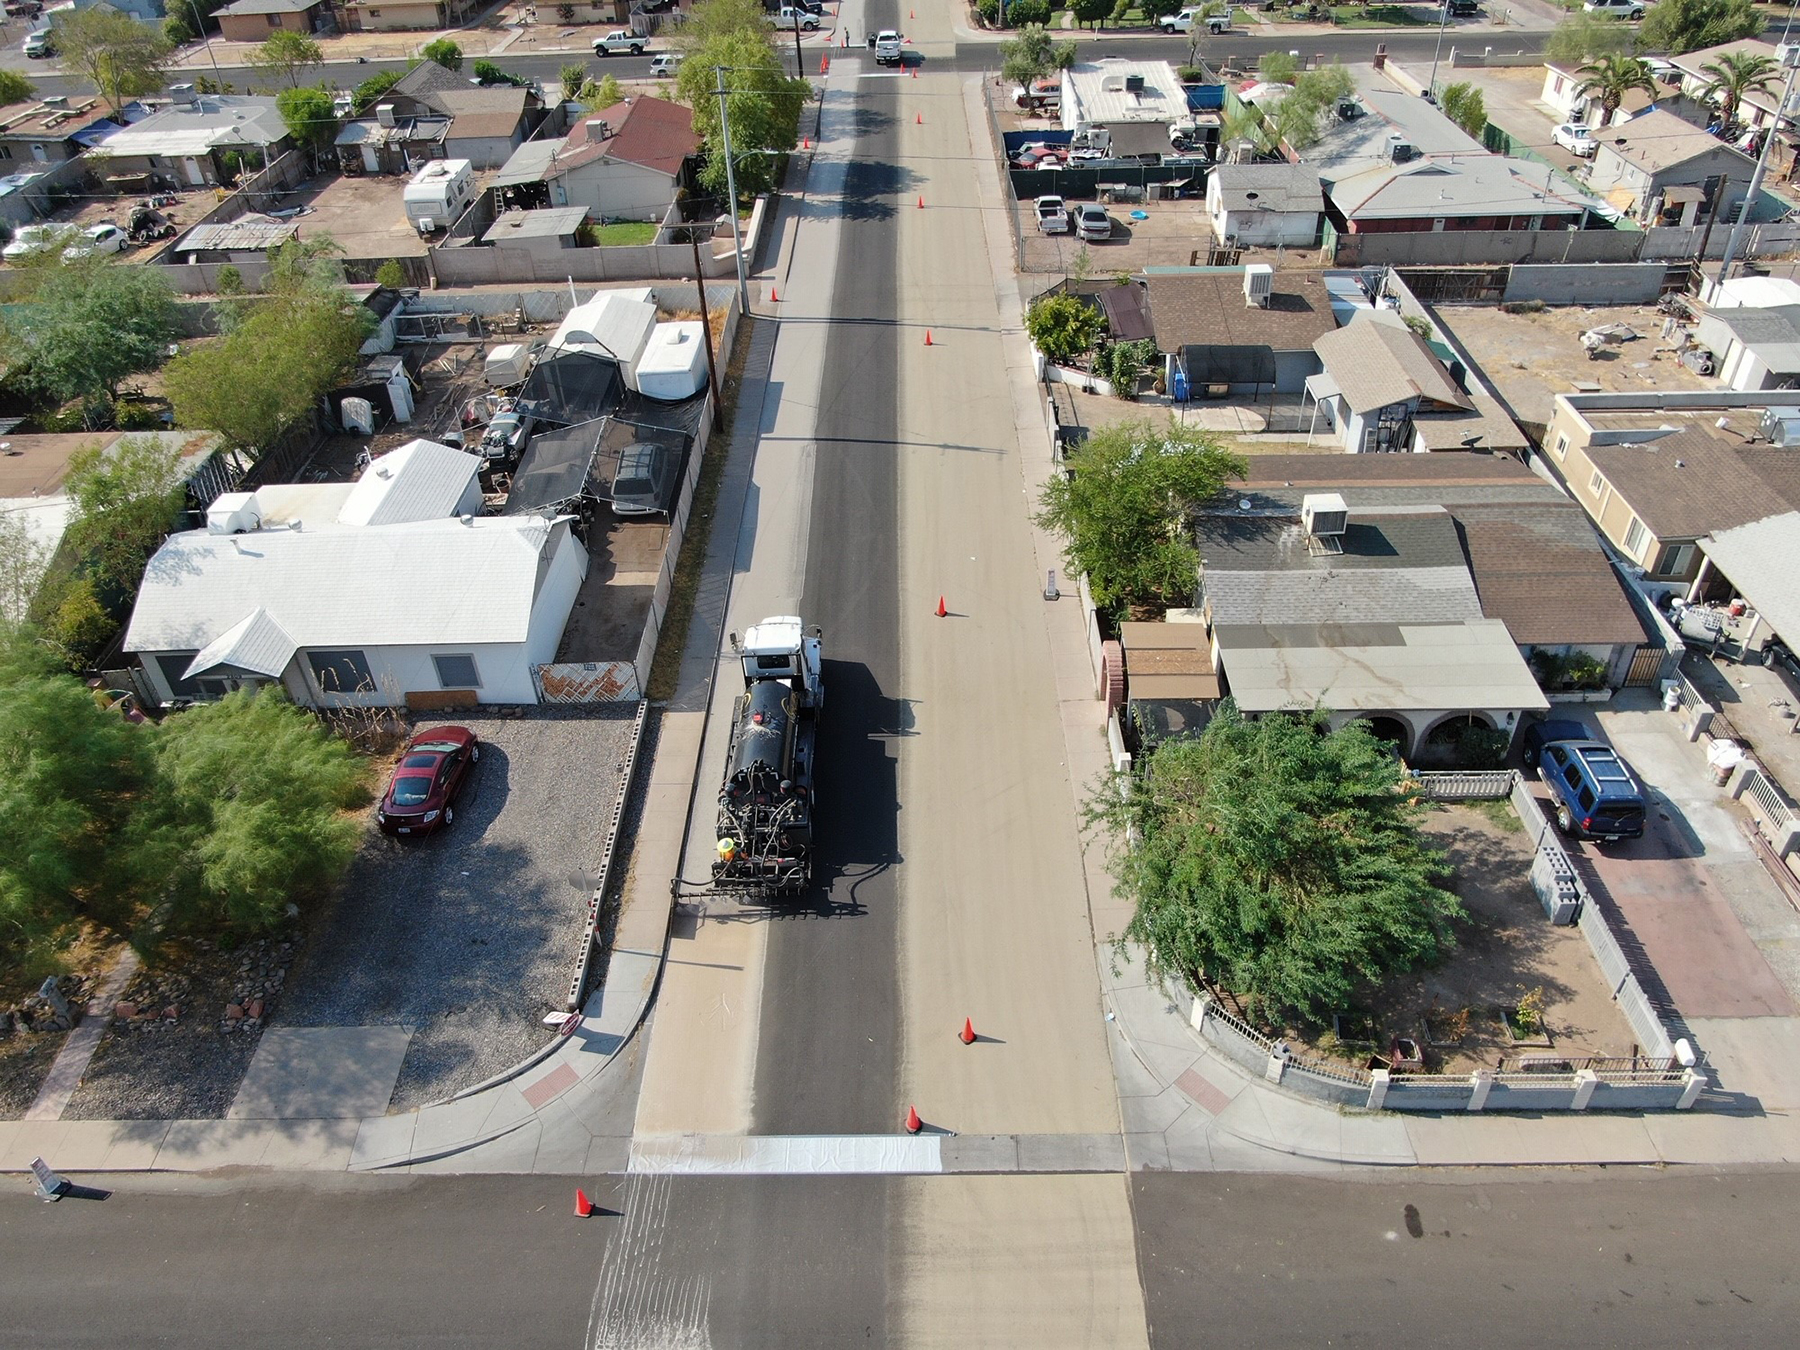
(469, 936)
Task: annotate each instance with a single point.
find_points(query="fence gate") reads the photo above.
(1646, 667)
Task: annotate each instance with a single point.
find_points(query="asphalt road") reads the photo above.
(1407, 45)
(1498, 1260)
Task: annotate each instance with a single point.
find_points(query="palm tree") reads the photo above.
(1735, 74)
(1609, 79)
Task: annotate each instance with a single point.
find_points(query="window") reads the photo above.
(172, 667)
(1586, 799)
(456, 672)
(274, 20)
(341, 672)
(1634, 536)
(1562, 445)
(1572, 775)
(1677, 560)
(1597, 484)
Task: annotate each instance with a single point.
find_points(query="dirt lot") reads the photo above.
(1507, 948)
(1531, 358)
(364, 214)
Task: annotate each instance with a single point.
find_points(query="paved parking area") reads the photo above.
(469, 936)
(1672, 892)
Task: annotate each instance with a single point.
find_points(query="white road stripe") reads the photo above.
(778, 1155)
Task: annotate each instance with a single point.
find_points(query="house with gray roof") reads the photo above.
(1265, 205)
(1664, 171)
(1753, 348)
(199, 139)
(1380, 380)
(1241, 330)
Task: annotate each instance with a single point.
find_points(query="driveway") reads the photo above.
(1665, 892)
(469, 936)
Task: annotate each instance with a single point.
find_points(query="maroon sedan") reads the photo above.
(427, 780)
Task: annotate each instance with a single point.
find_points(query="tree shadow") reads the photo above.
(870, 191)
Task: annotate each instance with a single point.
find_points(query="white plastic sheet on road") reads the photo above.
(778, 1155)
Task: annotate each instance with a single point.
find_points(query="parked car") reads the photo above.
(105, 237)
(40, 43)
(1576, 139)
(641, 486)
(620, 40)
(788, 18)
(1052, 215)
(1624, 9)
(1465, 9)
(1597, 797)
(665, 65)
(29, 239)
(427, 781)
(1092, 222)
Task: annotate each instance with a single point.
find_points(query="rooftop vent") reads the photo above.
(1325, 516)
(234, 513)
(384, 114)
(56, 100)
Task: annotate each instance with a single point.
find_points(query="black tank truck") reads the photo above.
(766, 805)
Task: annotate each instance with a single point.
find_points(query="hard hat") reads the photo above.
(727, 847)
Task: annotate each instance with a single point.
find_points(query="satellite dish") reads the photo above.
(1243, 503)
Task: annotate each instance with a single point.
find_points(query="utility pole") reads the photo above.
(712, 364)
(1790, 59)
(737, 243)
(205, 41)
(1443, 18)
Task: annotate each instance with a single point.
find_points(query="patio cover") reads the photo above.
(557, 468)
(1762, 561)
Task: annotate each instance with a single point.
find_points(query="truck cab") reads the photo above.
(779, 649)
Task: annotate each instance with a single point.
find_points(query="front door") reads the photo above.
(195, 174)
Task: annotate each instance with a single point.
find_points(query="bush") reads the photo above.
(989, 11)
(1062, 327)
(390, 274)
(1479, 747)
(1021, 12)
(489, 73)
(80, 624)
(445, 52)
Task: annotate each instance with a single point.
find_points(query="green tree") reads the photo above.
(1124, 510)
(68, 775)
(599, 95)
(23, 560)
(1677, 26)
(125, 499)
(1608, 79)
(251, 809)
(487, 73)
(1091, 11)
(445, 52)
(572, 76)
(369, 92)
(278, 356)
(88, 323)
(1063, 327)
(120, 57)
(1032, 55)
(287, 54)
(1735, 74)
(1581, 38)
(390, 274)
(310, 116)
(15, 88)
(1277, 68)
(1157, 9)
(763, 101)
(1466, 106)
(1278, 859)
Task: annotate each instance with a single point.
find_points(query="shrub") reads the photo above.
(390, 274)
(1062, 327)
(1021, 12)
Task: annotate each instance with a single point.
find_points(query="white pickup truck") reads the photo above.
(1184, 22)
(887, 48)
(620, 40)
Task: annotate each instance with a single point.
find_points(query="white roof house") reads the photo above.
(360, 594)
(1114, 92)
(197, 127)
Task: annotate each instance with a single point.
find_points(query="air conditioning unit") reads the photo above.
(1401, 151)
(234, 513)
(1259, 284)
(1780, 426)
(1134, 84)
(1326, 515)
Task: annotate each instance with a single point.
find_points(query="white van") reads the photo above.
(438, 194)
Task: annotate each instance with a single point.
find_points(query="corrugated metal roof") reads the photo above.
(422, 480)
(436, 581)
(247, 234)
(550, 222)
(258, 645)
(1762, 560)
(1380, 668)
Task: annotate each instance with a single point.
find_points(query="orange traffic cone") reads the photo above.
(921, 202)
(919, 119)
(774, 299)
(942, 613)
(968, 1032)
(583, 1205)
(913, 1123)
(806, 142)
